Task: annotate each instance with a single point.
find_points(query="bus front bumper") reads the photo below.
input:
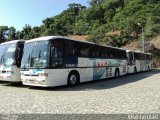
(9, 77)
(34, 81)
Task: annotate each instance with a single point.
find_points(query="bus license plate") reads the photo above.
(30, 81)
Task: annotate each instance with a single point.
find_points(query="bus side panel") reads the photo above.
(147, 64)
(117, 64)
(86, 74)
(85, 69)
(131, 69)
(92, 69)
(16, 74)
(99, 70)
(123, 70)
(57, 77)
(141, 65)
(95, 68)
(138, 65)
(144, 64)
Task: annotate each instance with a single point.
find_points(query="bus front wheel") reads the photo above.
(73, 79)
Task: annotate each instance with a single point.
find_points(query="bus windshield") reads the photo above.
(36, 54)
(9, 54)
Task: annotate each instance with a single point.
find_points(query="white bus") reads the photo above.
(55, 61)
(139, 61)
(10, 60)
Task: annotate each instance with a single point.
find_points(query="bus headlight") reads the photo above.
(12, 72)
(43, 74)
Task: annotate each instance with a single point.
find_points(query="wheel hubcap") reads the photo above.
(73, 79)
(116, 74)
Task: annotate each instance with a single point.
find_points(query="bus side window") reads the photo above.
(96, 52)
(137, 56)
(71, 49)
(84, 50)
(103, 53)
(112, 53)
(150, 57)
(107, 55)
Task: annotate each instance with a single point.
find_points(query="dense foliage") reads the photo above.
(112, 22)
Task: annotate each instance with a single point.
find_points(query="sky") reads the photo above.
(17, 13)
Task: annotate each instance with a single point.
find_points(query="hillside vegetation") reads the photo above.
(111, 22)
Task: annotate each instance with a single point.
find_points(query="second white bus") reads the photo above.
(55, 61)
(139, 61)
(10, 60)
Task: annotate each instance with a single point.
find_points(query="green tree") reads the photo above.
(11, 33)
(26, 32)
(35, 32)
(3, 33)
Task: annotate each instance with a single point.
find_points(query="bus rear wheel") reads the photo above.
(148, 67)
(116, 74)
(135, 70)
(73, 79)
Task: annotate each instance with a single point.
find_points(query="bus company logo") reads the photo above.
(101, 64)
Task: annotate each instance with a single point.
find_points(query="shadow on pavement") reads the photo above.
(14, 84)
(103, 84)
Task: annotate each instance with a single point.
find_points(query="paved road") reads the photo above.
(138, 93)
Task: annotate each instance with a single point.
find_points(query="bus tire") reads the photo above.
(73, 78)
(116, 73)
(135, 70)
(148, 67)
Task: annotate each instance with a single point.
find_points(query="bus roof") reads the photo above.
(55, 37)
(12, 41)
(138, 52)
